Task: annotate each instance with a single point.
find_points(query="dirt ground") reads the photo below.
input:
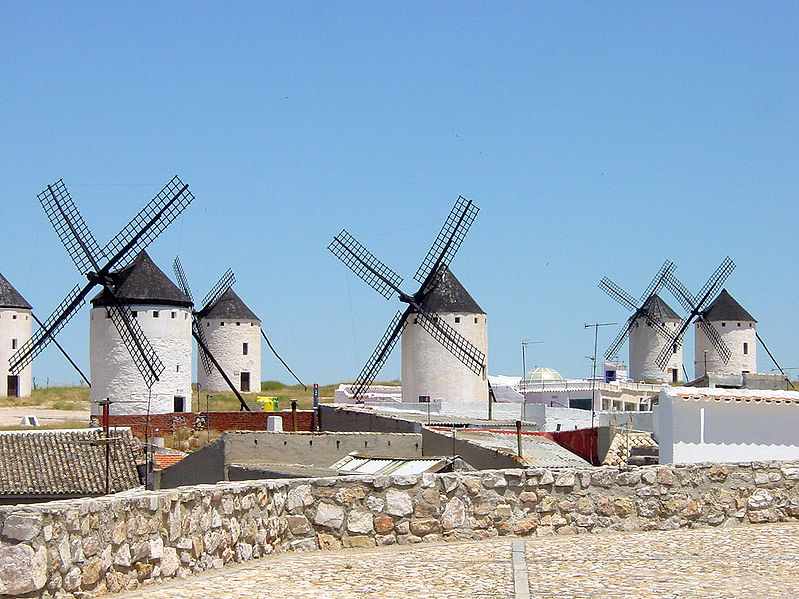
(13, 416)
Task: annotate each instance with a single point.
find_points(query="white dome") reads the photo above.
(540, 375)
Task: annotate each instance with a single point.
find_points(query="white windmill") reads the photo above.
(15, 329)
(735, 328)
(118, 354)
(164, 314)
(649, 328)
(437, 307)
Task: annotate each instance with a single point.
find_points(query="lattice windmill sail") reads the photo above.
(430, 276)
(694, 305)
(101, 265)
(206, 357)
(649, 327)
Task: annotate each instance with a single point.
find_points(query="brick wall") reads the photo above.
(167, 424)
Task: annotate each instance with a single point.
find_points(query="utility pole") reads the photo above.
(525, 343)
(596, 326)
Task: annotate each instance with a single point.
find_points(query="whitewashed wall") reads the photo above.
(734, 336)
(227, 344)
(645, 346)
(14, 324)
(429, 369)
(115, 376)
(691, 431)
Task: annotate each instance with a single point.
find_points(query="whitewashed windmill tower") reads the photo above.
(233, 334)
(647, 341)
(164, 314)
(649, 328)
(118, 354)
(15, 330)
(736, 329)
(428, 369)
(438, 289)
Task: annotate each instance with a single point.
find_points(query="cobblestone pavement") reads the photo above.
(748, 561)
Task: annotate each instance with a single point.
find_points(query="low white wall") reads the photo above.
(690, 430)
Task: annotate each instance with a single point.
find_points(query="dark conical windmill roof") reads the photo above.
(657, 308)
(229, 306)
(10, 297)
(449, 295)
(142, 282)
(724, 307)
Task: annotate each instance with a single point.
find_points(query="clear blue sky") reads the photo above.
(597, 139)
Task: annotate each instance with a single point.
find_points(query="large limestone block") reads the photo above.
(22, 570)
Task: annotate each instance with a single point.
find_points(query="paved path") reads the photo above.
(749, 561)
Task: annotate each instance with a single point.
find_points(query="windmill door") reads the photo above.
(245, 382)
(13, 386)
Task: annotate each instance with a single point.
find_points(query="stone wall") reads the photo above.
(119, 542)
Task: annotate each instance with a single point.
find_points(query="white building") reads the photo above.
(726, 425)
(233, 334)
(736, 328)
(646, 343)
(428, 369)
(164, 314)
(613, 391)
(15, 329)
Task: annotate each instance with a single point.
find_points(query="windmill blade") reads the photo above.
(673, 340)
(224, 283)
(177, 268)
(714, 283)
(447, 243)
(137, 344)
(681, 292)
(381, 353)
(71, 228)
(658, 280)
(202, 343)
(715, 340)
(451, 340)
(618, 294)
(149, 223)
(68, 307)
(613, 349)
(364, 264)
(659, 327)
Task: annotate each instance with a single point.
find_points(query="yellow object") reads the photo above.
(270, 403)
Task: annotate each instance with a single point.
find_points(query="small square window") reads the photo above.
(457, 319)
(208, 324)
(155, 313)
(221, 324)
(739, 324)
(724, 324)
(174, 314)
(14, 317)
(238, 324)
